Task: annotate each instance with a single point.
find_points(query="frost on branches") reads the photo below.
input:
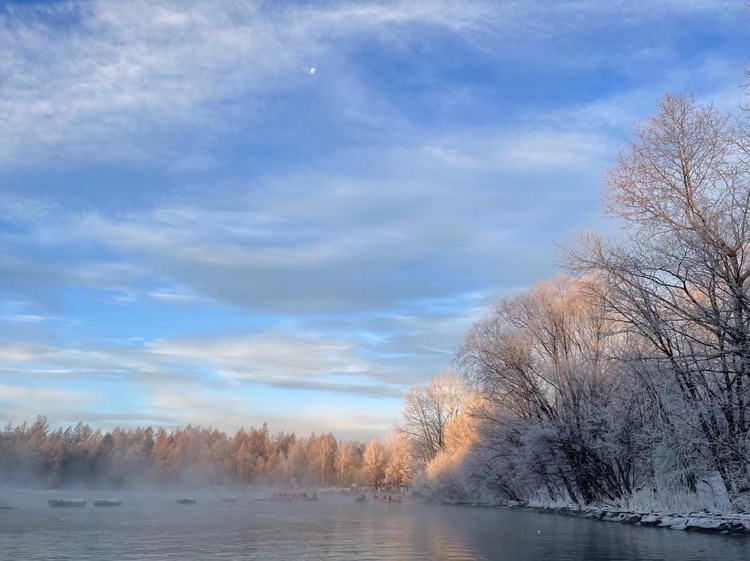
(624, 383)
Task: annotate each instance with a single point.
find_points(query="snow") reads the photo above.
(705, 523)
(695, 522)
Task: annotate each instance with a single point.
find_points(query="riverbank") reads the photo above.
(703, 522)
(707, 523)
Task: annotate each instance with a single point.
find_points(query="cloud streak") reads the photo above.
(193, 227)
(92, 81)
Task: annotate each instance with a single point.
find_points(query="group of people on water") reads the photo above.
(384, 498)
(360, 499)
(387, 498)
(290, 496)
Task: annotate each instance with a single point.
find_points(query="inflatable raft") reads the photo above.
(107, 502)
(186, 501)
(67, 502)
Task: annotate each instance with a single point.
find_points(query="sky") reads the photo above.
(196, 227)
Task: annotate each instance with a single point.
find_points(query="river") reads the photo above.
(152, 527)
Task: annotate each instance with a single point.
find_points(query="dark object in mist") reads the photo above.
(67, 502)
(186, 501)
(229, 500)
(107, 502)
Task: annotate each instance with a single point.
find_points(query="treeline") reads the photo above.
(35, 455)
(626, 381)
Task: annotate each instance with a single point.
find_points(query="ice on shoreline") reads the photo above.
(693, 522)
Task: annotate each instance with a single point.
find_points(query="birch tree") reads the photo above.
(374, 460)
(679, 279)
(427, 410)
(541, 362)
(398, 467)
(323, 451)
(343, 460)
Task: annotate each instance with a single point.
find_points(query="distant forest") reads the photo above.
(36, 456)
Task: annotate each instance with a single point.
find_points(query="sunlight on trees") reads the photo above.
(375, 462)
(36, 455)
(428, 410)
(627, 383)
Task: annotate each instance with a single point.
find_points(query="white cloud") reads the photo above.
(270, 355)
(373, 260)
(24, 318)
(123, 75)
(15, 353)
(230, 413)
(206, 381)
(90, 90)
(174, 296)
(22, 403)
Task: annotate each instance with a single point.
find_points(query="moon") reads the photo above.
(312, 71)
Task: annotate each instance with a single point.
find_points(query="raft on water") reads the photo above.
(186, 501)
(67, 502)
(107, 502)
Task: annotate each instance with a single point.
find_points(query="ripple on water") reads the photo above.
(152, 527)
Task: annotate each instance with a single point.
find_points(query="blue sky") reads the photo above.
(194, 227)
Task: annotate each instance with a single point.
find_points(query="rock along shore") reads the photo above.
(707, 523)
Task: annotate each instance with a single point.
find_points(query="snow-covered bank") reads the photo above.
(707, 521)
(693, 522)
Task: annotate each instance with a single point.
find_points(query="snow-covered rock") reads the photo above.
(693, 522)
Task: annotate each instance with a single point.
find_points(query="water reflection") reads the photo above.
(152, 527)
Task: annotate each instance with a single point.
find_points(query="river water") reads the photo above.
(152, 527)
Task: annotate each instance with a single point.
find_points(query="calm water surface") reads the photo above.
(153, 527)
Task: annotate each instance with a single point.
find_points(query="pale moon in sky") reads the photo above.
(312, 71)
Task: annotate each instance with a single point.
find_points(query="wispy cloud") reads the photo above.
(270, 355)
(195, 228)
(104, 80)
(24, 403)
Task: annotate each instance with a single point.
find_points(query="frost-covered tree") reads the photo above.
(679, 281)
(542, 363)
(632, 378)
(374, 461)
(398, 468)
(428, 410)
(324, 449)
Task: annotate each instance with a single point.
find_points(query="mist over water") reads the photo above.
(150, 526)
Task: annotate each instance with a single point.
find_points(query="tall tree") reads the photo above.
(324, 452)
(398, 468)
(680, 280)
(427, 410)
(375, 461)
(343, 461)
